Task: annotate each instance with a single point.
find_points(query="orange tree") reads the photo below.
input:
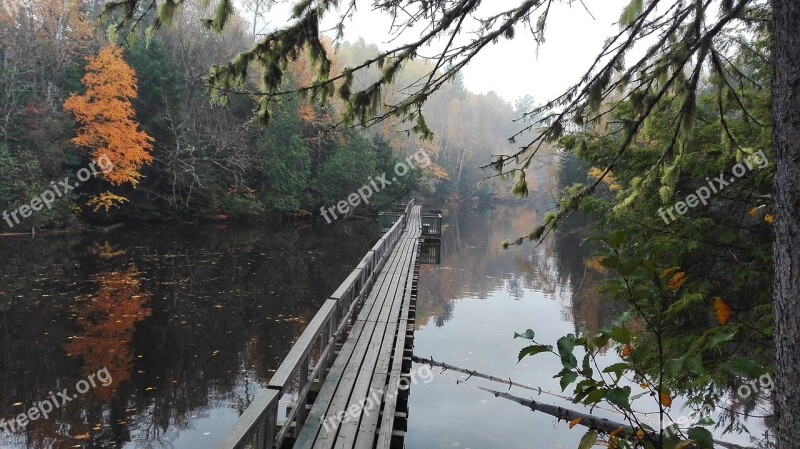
(107, 122)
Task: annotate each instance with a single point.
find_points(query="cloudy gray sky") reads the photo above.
(510, 68)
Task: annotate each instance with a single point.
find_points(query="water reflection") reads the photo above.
(190, 323)
(475, 266)
(467, 312)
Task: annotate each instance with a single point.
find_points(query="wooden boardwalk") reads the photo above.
(342, 379)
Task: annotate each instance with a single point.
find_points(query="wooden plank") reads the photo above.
(364, 360)
(364, 354)
(369, 425)
(320, 409)
(387, 419)
(379, 349)
(394, 329)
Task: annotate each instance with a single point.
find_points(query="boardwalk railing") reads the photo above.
(304, 369)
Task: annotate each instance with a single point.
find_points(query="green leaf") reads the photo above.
(673, 367)
(743, 367)
(706, 421)
(567, 379)
(528, 335)
(565, 346)
(588, 440)
(611, 262)
(695, 364)
(587, 368)
(533, 350)
(702, 437)
(595, 396)
(601, 340)
(621, 335)
(620, 397)
(617, 369)
(721, 337)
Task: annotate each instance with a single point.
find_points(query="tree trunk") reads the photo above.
(786, 259)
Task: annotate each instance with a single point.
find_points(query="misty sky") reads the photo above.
(510, 68)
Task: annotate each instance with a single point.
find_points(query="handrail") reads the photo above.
(258, 428)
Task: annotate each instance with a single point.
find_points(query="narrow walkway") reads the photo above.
(341, 381)
(357, 405)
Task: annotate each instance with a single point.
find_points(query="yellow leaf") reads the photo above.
(752, 212)
(722, 311)
(615, 432)
(769, 218)
(575, 422)
(106, 200)
(676, 281)
(667, 271)
(626, 351)
(666, 400)
(609, 179)
(594, 264)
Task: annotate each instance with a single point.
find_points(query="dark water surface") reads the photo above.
(189, 322)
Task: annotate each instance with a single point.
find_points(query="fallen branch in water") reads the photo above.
(508, 381)
(584, 419)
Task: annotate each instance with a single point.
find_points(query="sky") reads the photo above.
(510, 68)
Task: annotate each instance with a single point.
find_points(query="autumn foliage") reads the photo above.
(107, 119)
(106, 324)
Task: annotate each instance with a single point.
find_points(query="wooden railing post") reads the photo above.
(270, 426)
(302, 397)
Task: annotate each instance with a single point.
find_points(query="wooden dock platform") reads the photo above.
(342, 380)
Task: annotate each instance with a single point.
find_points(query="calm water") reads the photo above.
(190, 323)
(468, 309)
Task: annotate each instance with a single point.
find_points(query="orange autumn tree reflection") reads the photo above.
(106, 322)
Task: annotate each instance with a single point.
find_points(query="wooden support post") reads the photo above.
(302, 398)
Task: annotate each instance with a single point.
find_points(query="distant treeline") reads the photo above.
(209, 161)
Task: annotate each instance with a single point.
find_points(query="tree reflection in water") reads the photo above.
(190, 321)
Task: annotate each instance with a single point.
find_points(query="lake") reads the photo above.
(190, 322)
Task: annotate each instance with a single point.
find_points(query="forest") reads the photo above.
(671, 161)
(190, 158)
